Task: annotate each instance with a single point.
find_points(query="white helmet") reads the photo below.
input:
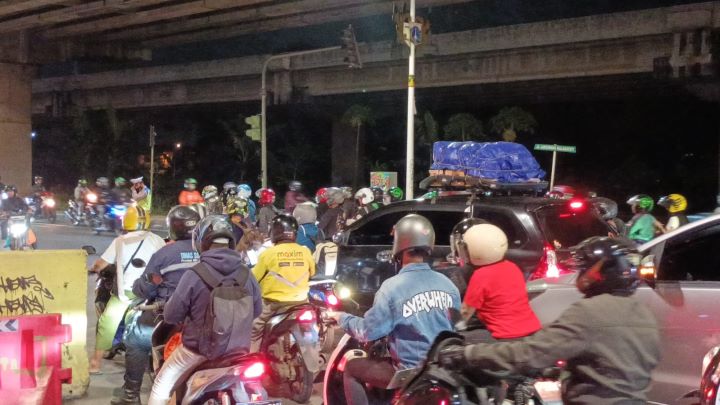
(365, 195)
(482, 244)
(305, 213)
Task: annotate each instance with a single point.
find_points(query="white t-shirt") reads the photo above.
(121, 251)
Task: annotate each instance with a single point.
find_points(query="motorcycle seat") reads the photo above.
(229, 360)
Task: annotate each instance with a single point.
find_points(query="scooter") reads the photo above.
(234, 378)
(20, 235)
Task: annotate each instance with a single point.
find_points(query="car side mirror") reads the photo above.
(138, 263)
(384, 256)
(90, 250)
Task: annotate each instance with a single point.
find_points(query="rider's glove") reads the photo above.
(453, 357)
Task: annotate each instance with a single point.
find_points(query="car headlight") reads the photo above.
(18, 229)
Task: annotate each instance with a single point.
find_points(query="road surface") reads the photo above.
(63, 235)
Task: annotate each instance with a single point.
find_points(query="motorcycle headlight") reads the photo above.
(28, 200)
(91, 197)
(50, 203)
(3, 196)
(18, 229)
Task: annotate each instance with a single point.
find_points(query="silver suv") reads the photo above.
(685, 299)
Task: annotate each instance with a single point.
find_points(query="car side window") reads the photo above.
(693, 257)
(377, 231)
(513, 230)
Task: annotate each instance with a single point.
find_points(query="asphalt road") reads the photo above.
(63, 235)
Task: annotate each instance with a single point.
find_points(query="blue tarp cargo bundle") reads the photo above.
(505, 162)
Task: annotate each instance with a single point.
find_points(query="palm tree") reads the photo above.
(465, 127)
(358, 116)
(511, 120)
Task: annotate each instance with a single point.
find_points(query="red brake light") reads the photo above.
(255, 370)
(306, 316)
(332, 300)
(548, 266)
(576, 205)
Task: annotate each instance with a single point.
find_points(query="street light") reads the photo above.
(178, 146)
(353, 60)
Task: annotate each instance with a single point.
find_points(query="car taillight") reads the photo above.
(332, 300)
(548, 266)
(576, 204)
(255, 370)
(306, 316)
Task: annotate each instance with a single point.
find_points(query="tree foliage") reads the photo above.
(510, 121)
(246, 150)
(464, 127)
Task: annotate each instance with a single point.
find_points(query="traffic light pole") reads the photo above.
(410, 151)
(263, 101)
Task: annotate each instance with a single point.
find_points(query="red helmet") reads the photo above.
(321, 196)
(266, 196)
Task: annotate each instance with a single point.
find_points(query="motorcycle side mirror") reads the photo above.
(384, 256)
(89, 250)
(137, 262)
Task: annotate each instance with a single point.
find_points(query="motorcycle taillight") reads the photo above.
(548, 266)
(307, 315)
(254, 371)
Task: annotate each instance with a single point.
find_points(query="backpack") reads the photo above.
(229, 313)
(325, 257)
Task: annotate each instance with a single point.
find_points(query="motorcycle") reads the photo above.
(47, 206)
(234, 378)
(298, 341)
(710, 381)
(111, 221)
(20, 236)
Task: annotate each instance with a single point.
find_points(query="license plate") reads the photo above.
(549, 391)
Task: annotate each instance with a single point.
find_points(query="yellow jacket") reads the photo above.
(283, 272)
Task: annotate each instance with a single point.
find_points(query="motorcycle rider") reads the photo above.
(38, 186)
(608, 210)
(190, 195)
(396, 194)
(9, 206)
(333, 220)
(496, 291)
(157, 283)
(266, 199)
(213, 239)
(308, 233)
(142, 195)
(245, 191)
(321, 198)
(378, 196)
(283, 272)
(609, 340)
(135, 243)
(79, 195)
(676, 205)
(237, 211)
(120, 194)
(229, 190)
(294, 196)
(411, 308)
(643, 226)
(212, 200)
(366, 204)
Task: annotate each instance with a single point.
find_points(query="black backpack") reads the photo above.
(229, 313)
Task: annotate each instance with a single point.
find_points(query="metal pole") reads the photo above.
(552, 171)
(263, 104)
(152, 161)
(410, 151)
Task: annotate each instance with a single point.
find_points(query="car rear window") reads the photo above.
(564, 227)
(379, 230)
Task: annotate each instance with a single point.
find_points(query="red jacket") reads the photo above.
(499, 296)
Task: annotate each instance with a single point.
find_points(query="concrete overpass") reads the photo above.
(665, 42)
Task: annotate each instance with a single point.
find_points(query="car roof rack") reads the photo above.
(446, 185)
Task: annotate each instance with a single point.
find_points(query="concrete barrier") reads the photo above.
(49, 282)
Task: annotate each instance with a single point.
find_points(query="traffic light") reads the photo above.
(254, 132)
(349, 44)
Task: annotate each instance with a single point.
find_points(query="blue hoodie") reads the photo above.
(307, 236)
(411, 308)
(170, 262)
(191, 298)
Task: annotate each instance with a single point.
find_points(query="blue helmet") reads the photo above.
(244, 191)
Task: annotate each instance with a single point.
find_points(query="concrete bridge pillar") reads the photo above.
(15, 125)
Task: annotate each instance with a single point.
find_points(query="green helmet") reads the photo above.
(190, 183)
(120, 181)
(396, 193)
(82, 182)
(642, 201)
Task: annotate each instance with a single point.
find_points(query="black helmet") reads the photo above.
(607, 208)
(295, 185)
(616, 275)
(283, 228)
(180, 221)
(212, 229)
(456, 237)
